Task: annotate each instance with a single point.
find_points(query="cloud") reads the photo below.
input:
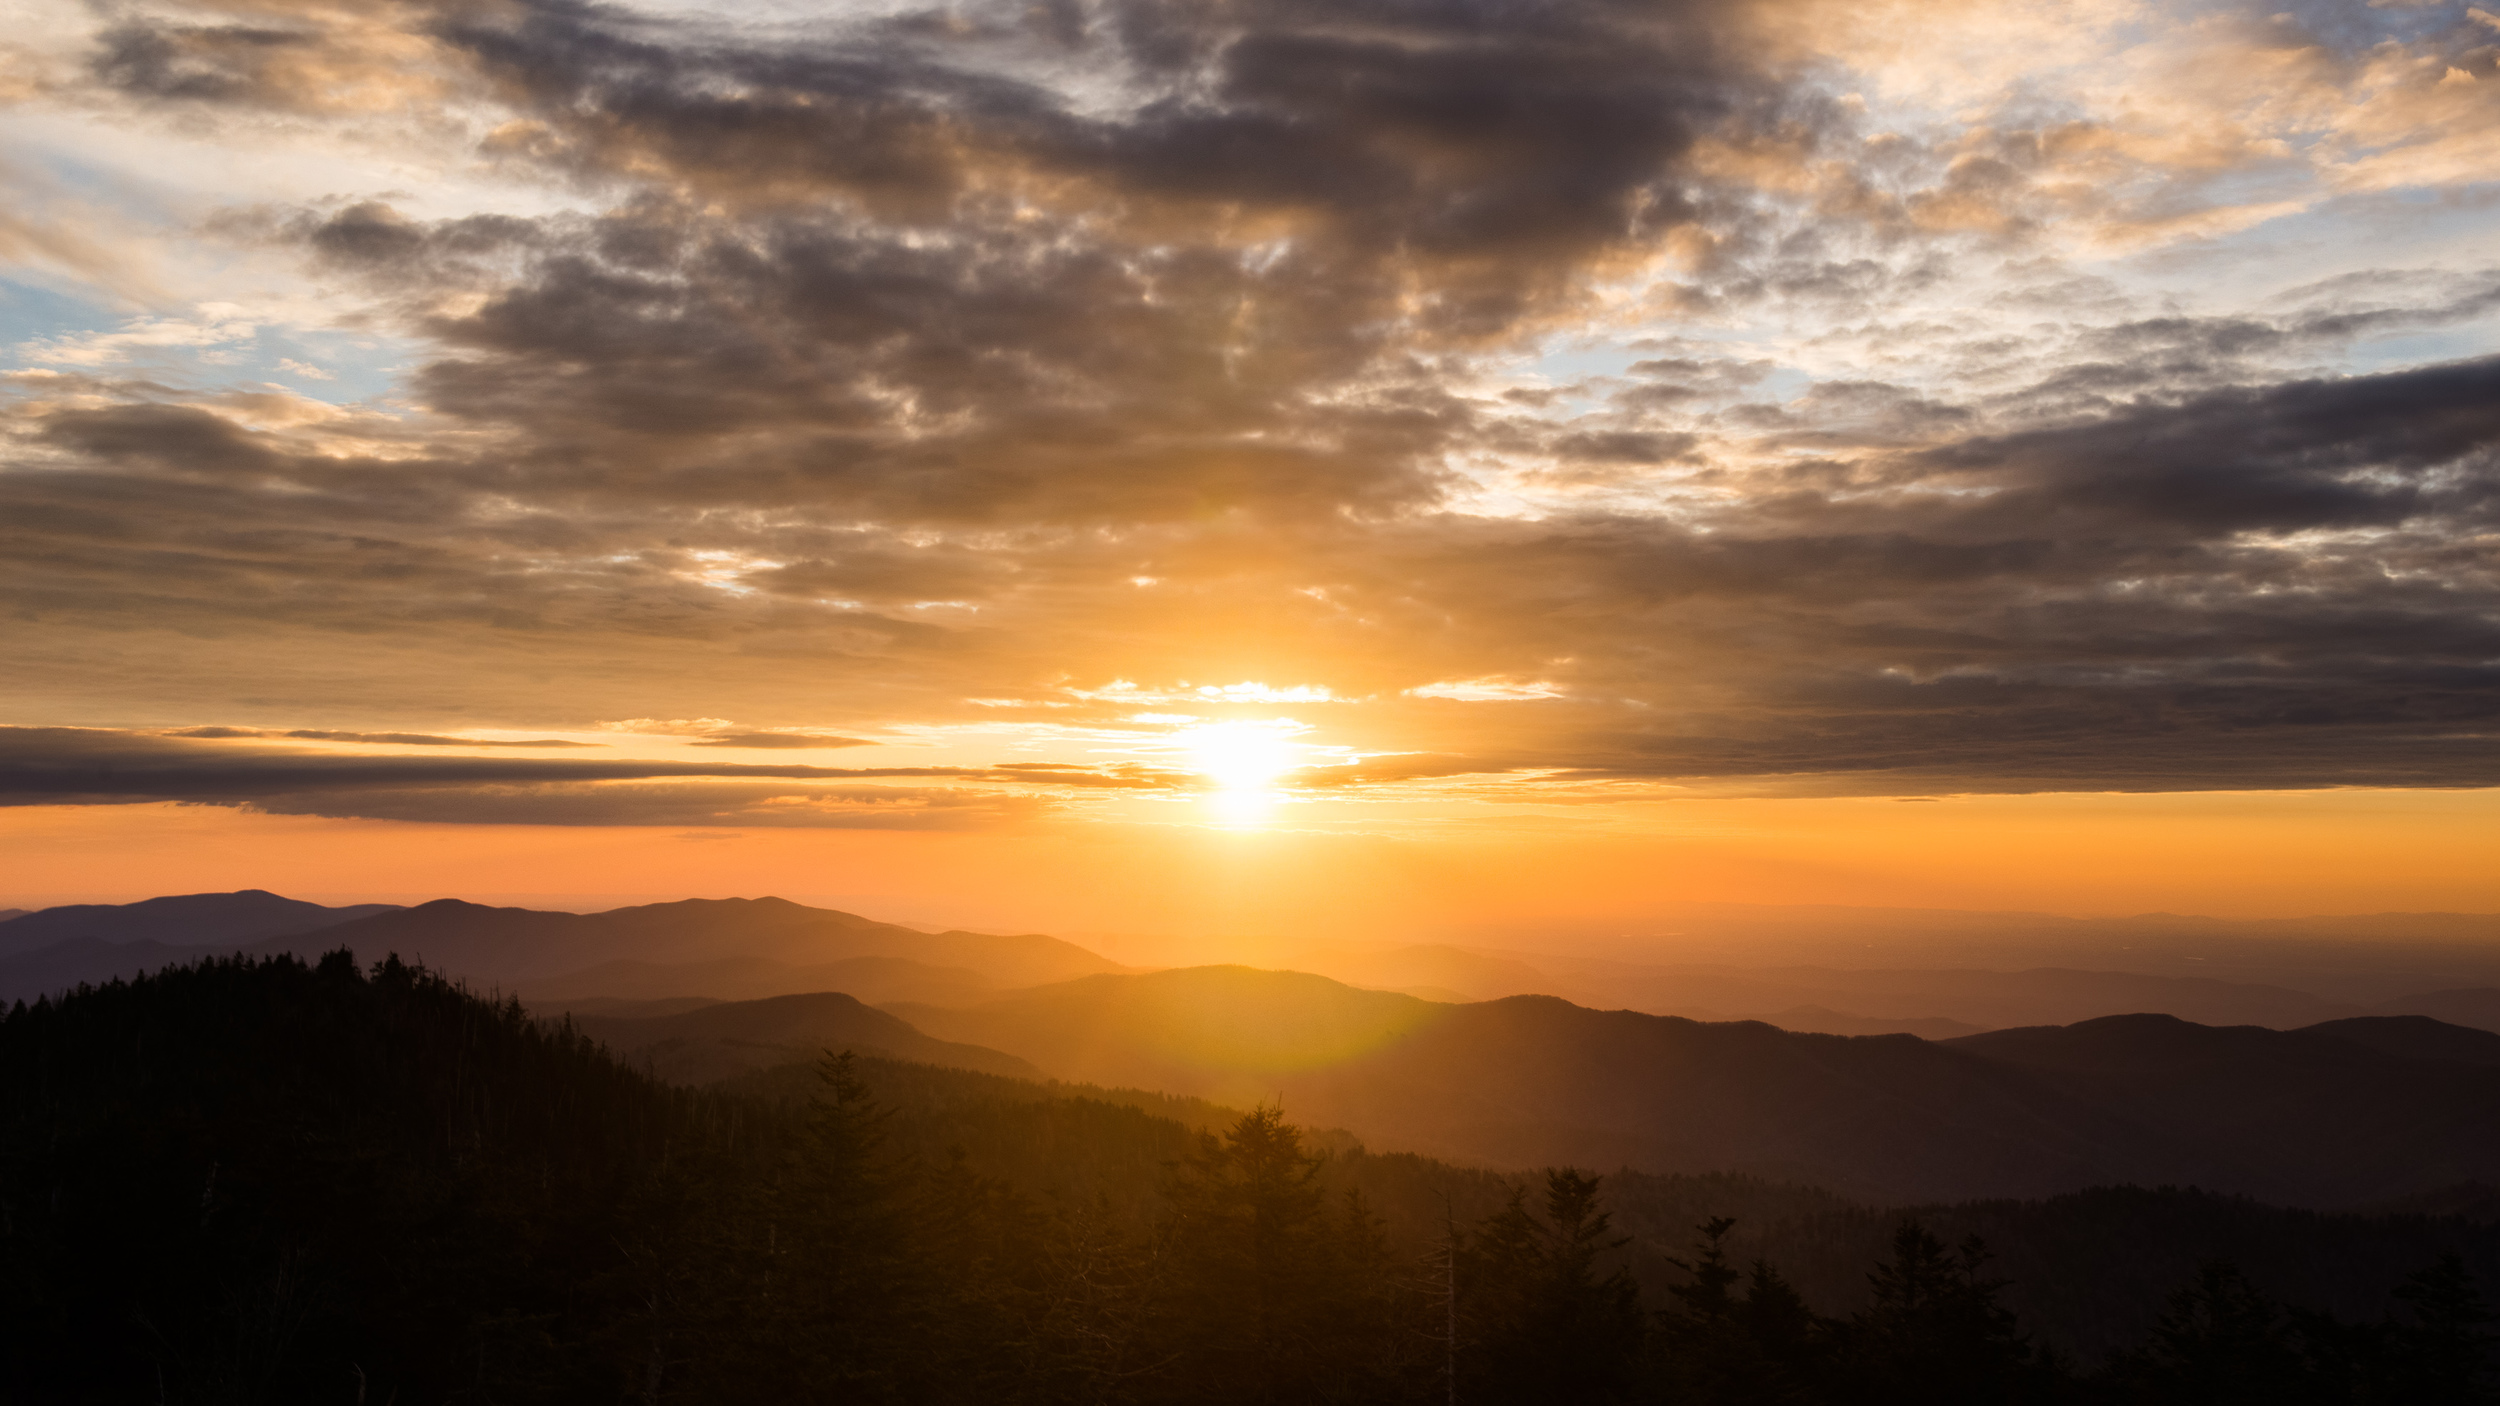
(88, 766)
(1485, 691)
(1692, 371)
(790, 741)
(745, 805)
(382, 739)
(210, 328)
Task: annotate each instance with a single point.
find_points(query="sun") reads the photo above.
(1240, 756)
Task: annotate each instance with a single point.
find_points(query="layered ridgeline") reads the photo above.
(2281, 975)
(2341, 1114)
(722, 948)
(56, 948)
(2351, 1112)
(267, 1180)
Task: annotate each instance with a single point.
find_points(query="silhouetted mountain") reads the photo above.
(2476, 1202)
(273, 1181)
(1831, 1000)
(2307, 1118)
(8, 913)
(82, 960)
(2414, 1037)
(2301, 1116)
(872, 979)
(187, 920)
(1469, 976)
(1530, 1081)
(625, 1007)
(2363, 958)
(720, 1039)
(1820, 1020)
(1986, 1000)
(2478, 1007)
(510, 947)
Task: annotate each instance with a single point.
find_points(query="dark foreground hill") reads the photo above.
(2324, 1117)
(2089, 1272)
(272, 1181)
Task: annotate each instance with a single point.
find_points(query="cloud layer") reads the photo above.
(1577, 397)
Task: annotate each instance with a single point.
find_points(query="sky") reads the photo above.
(1346, 465)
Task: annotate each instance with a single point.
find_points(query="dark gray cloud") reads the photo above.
(92, 766)
(206, 63)
(379, 739)
(744, 805)
(881, 366)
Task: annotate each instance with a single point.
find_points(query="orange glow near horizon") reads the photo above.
(2227, 854)
(1380, 534)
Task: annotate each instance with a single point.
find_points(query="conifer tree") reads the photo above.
(1935, 1333)
(1251, 1283)
(842, 1291)
(2444, 1351)
(1545, 1321)
(2221, 1342)
(1711, 1345)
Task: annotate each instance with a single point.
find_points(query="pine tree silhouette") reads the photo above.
(1935, 1333)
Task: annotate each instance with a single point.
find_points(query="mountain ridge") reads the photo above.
(721, 1040)
(244, 915)
(1536, 1080)
(505, 946)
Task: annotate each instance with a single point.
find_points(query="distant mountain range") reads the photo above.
(2366, 958)
(2362, 1105)
(2341, 1114)
(747, 946)
(746, 949)
(1931, 1003)
(191, 920)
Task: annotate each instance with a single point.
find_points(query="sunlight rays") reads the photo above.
(1243, 760)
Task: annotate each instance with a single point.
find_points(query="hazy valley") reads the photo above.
(2105, 1160)
(2020, 1083)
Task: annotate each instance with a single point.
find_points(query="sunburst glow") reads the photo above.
(1241, 756)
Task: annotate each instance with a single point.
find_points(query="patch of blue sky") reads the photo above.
(2473, 339)
(1560, 365)
(210, 349)
(1781, 386)
(2392, 230)
(2355, 28)
(31, 312)
(48, 147)
(1562, 361)
(339, 367)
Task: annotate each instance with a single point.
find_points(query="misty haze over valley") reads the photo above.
(1433, 1083)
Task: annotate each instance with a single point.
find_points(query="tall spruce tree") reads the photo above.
(1711, 1345)
(1544, 1319)
(2442, 1345)
(1254, 1268)
(1935, 1334)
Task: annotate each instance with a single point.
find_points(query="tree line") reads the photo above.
(267, 1180)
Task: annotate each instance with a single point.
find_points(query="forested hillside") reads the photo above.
(268, 1180)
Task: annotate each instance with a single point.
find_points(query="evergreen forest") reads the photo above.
(255, 1180)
